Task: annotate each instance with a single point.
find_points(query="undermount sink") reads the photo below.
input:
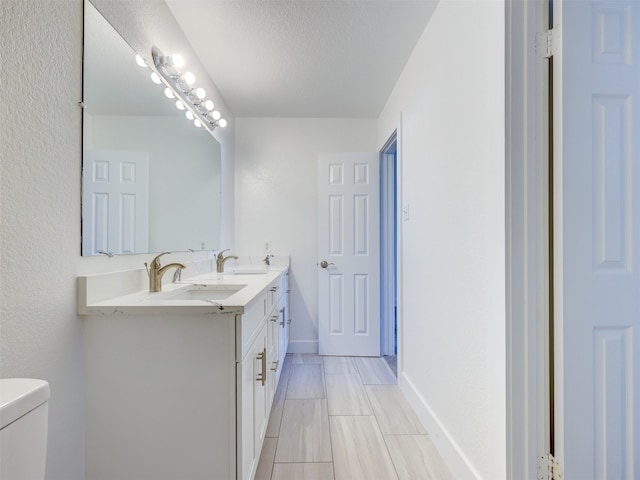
(205, 292)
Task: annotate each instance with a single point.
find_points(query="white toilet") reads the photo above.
(23, 428)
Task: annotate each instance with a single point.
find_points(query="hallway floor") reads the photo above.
(344, 418)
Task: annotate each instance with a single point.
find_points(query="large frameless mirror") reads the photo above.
(150, 180)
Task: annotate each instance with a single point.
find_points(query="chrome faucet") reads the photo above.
(221, 259)
(156, 271)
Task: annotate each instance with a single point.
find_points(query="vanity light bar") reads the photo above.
(191, 98)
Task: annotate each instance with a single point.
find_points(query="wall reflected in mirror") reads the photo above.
(151, 180)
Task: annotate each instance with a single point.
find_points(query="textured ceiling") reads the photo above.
(300, 58)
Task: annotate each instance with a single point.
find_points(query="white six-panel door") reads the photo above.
(597, 177)
(115, 197)
(348, 241)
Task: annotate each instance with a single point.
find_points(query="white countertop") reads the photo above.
(144, 302)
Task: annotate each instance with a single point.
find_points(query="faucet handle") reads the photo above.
(155, 263)
(221, 252)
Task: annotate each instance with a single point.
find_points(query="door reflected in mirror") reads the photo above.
(150, 179)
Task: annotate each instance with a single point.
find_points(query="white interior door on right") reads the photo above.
(597, 243)
(349, 254)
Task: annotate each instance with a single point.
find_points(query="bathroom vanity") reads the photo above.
(179, 383)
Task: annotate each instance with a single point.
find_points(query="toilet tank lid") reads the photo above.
(18, 396)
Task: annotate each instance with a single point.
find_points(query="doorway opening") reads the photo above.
(388, 252)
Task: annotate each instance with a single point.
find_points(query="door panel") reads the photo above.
(252, 404)
(115, 194)
(598, 233)
(348, 241)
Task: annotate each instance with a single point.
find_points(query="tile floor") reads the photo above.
(344, 418)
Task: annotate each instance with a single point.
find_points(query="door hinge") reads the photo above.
(547, 42)
(549, 468)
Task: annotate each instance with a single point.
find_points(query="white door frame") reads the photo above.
(528, 426)
(388, 246)
(399, 225)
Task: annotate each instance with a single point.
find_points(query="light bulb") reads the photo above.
(180, 105)
(216, 115)
(155, 78)
(208, 105)
(190, 78)
(168, 93)
(197, 123)
(201, 93)
(140, 61)
(222, 122)
(189, 115)
(177, 60)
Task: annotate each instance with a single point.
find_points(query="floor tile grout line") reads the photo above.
(284, 399)
(383, 436)
(386, 445)
(395, 467)
(274, 459)
(329, 421)
(303, 462)
(326, 393)
(333, 463)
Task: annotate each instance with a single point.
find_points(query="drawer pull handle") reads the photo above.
(273, 318)
(274, 289)
(288, 321)
(262, 376)
(274, 367)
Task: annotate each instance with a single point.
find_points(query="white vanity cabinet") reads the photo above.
(182, 395)
(257, 378)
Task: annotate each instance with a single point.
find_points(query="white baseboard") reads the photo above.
(459, 465)
(303, 346)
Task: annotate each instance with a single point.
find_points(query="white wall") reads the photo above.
(40, 334)
(40, 137)
(276, 198)
(451, 95)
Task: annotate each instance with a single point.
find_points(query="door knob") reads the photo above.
(325, 264)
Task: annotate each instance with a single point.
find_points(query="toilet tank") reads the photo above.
(23, 428)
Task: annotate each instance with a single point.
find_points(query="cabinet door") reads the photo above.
(287, 316)
(273, 355)
(273, 294)
(252, 409)
(284, 323)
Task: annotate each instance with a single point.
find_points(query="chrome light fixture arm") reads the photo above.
(182, 91)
